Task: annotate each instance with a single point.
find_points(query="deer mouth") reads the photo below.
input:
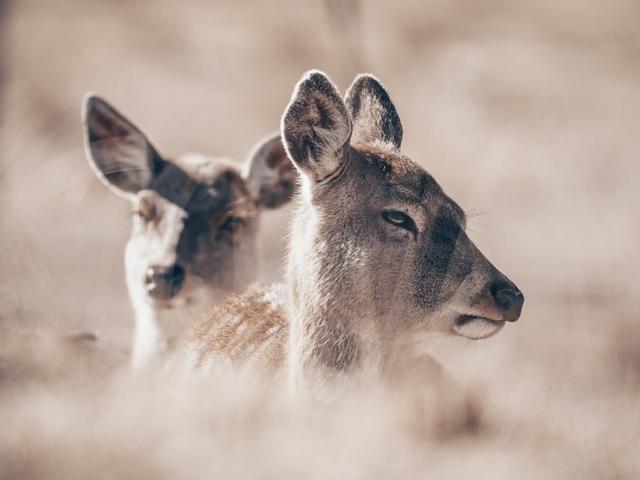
(476, 328)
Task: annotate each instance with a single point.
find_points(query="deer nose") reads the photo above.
(164, 282)
(508, 299)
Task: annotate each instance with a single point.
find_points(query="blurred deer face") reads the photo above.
(176, 248)
(385, 238)
(194, 218)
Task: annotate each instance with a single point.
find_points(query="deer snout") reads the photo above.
(508, 298)
(164, 282)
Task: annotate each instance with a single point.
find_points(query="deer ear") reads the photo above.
(373, 114)
(269, 174)
(117, 150)
(316, 127)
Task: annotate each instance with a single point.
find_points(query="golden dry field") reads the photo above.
(526, 112)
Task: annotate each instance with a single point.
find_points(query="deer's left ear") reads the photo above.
(373, 115)
(269, 174)
(119, 153)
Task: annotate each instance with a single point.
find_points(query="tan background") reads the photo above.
(527, 112)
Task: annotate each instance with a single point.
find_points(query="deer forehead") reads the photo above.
(393, 181)
(200, 185)
(202, 168)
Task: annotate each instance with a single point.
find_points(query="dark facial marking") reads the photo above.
(180, 188)
(206, 241)
(202, 251)
(424, 184)
(443, 265)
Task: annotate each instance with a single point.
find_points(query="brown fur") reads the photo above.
(238, 327)
(378, 261)
(195, 220)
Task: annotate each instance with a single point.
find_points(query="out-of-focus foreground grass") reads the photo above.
(526, 112)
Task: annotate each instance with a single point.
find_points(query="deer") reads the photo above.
(195, 221)
(378, 260)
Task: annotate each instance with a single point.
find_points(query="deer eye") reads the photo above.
(399, 219)
(144, 211)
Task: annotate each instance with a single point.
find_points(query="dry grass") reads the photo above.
(526, 112)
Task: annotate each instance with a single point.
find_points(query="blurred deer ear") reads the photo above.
(117, 150)
(316, 127)
(269, 174)
(373, 114)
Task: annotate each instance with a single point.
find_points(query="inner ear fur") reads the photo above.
(372, 112)
(316, 127)
(119, 153)
(269, 174)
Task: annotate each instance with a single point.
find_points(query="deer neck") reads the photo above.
(148, 340)
(333, 331)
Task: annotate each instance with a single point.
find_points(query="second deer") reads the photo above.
(195, 220)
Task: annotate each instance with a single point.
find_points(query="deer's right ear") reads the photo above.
(373, 114)
(117, 150)
(316, 127)
(269, 174)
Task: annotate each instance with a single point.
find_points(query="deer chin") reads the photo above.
(193, 294)
(170, 303)
(476, 328)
